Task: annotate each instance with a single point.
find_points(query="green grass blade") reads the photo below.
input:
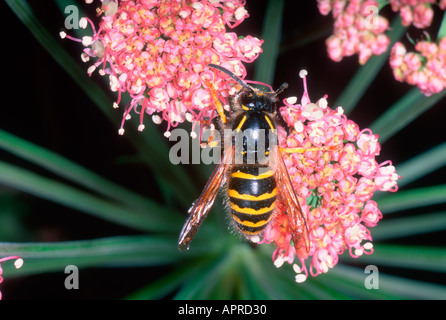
(165, 285)
(408, 257)
(390, 287)
(403, 112)
(415, 198)
(69, 170)
(410, 226)
(366, 74)
(442, 29)
(151, 145)
(422, 165)
(349, 282)
(123, 251)
(46, 188)
(205, 280)
(271, 32)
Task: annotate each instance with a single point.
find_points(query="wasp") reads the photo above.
(253, 189)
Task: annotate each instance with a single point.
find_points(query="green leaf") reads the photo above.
(410, 226)
(403, 112)
(26, 181)
(407, 257)
(167, 284)
(361, 81)
(422, 165)
(75, 173)
(123, 251)
(271, 33)
(409, 199)
(203, 281)
(442, 29)
(351, 280)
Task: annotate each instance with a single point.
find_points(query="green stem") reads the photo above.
(123, 251)
(415, 198)
(272, 27)
(390, 287)
(73, 172)
(442, 30)
(410, 226)
(403, 112)
(408, 257)
(422, 165)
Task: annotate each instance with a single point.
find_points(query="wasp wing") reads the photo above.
(200, 208)
(296, 217)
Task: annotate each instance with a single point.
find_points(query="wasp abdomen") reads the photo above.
(252, 197)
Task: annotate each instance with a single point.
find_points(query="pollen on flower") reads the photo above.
(158, 52)
(334, 181)
(18, 263)
(83, 23)
(303, 73)
(291, 100)
(156, 119)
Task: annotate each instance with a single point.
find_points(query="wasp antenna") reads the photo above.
(233, 76)
(281, 88)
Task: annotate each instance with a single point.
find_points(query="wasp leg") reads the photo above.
(217, 102)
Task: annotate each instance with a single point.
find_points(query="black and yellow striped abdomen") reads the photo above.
(252, 197)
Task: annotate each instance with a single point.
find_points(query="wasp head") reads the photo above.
(251, 98)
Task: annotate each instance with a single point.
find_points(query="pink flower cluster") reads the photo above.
(419, 12)
(18, 263)
(358, 29)
(425, 68)
(158, 51)
(334, 179)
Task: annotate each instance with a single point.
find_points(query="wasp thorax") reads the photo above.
(258, 101)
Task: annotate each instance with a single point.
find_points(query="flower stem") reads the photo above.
(112, 251)
(21, 179)
(403, 112)
(272, 26)
(442, 30)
